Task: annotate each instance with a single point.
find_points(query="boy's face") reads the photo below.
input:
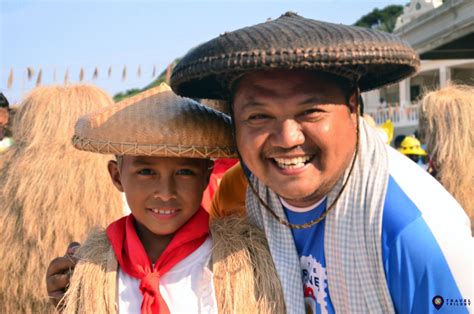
(163, 193)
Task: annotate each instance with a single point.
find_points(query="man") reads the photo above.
(362, 226)
(352, 225)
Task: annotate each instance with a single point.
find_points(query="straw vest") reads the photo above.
(245, 279)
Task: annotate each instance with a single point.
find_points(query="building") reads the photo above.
(442, 32)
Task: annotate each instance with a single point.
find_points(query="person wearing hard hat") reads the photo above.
(411, 147)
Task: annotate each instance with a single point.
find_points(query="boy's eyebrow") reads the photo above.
(141, 162)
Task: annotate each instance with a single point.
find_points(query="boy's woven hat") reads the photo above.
(368, 57)
(156, 123)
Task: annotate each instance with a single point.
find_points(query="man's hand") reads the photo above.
(59, 274)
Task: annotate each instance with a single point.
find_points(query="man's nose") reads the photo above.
(288, 134)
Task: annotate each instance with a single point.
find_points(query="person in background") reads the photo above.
(5, 138)
(4, 115)
(411, 147)
(397, 142)
(447, 128)
(50, 194)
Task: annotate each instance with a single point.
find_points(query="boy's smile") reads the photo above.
(163, 193)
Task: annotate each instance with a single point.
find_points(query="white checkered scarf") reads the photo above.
(352, 240)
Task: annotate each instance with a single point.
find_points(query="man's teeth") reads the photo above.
(163, 211)
(292, 163)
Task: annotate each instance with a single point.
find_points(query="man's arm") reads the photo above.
(59, 274)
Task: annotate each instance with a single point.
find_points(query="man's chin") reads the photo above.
(295, 194)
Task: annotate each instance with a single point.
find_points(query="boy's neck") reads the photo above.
(154, 244)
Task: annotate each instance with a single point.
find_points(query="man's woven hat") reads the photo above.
(368, 57)
(156, 123)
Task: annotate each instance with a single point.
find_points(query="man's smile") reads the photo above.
(292, 162)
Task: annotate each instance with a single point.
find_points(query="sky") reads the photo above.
(59, 35)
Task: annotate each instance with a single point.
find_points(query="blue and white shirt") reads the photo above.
(427, 248)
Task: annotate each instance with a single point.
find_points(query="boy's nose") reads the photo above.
(165, 191)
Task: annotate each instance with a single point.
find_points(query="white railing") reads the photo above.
(400, 116)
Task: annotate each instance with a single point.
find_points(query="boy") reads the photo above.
(157, 258)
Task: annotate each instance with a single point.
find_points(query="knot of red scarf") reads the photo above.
(133, 259)
(150, 284)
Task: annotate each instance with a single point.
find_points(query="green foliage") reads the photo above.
(128, 93)
(383, 20)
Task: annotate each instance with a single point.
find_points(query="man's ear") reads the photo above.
(114, 172)
(353, 104)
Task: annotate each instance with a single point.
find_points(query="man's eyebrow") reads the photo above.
(252, 103)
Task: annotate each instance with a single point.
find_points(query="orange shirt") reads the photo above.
(230, 196)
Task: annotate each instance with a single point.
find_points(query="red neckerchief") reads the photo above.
(134, 261)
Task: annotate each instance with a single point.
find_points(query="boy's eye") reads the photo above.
(185, 172)
(146, 172)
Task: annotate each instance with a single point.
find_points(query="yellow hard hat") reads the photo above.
(411, 146)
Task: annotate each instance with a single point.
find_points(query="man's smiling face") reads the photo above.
(294, 131)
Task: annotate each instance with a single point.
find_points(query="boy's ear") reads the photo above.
(114, 172)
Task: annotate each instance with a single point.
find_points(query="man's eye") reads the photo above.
(313, 113)
(185, 172)
(146, 172)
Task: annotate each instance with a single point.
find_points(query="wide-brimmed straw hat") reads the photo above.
(367, 57)
(156, 123)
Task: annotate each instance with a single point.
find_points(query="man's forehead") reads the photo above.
(287, 83)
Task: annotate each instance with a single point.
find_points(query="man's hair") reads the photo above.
(447, 128)
(4, 101)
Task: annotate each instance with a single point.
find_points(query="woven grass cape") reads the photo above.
(447, 126)
(156, 123)
(50, 193)
(368, 57)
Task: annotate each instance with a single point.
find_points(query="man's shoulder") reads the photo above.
(415, 198)
(425, 237)
(230, 196)
(411, 188)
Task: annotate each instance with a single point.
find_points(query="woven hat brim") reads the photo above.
(161, 150)
(156, 123)
(209, 77)
(367, 57)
